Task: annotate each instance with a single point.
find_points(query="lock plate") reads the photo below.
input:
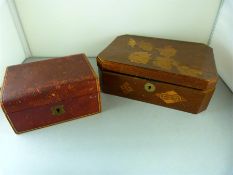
(57, 110)
(149, 87)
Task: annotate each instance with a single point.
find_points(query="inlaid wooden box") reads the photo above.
(175, 74)
(44, 93)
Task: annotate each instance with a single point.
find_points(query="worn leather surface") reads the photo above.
(43, 82)
(44, 93)
(177, 62)
(42, 116)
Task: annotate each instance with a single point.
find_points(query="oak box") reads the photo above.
(175, 74)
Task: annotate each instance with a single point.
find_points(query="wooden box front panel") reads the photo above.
(58, 112)
(164, 94)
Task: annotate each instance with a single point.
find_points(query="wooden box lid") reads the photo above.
(48, 81)
(182, 63)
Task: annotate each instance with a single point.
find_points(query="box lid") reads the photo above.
(182, 63)
(49, 81)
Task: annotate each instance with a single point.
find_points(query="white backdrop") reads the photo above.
(63, 27)
(222, 43)
(11, 50)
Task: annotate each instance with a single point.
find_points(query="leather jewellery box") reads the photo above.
(44, 93)
(174, 74)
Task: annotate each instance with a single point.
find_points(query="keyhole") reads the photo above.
(58, 110)
(149, 87)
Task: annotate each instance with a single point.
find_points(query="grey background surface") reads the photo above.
(129, 137)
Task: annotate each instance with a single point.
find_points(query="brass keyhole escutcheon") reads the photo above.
(58, 110)
(149, 87)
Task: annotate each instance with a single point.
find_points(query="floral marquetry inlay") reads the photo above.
(170, 97)
(161, 57)
(126, 88)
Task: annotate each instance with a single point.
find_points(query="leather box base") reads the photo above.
(51, 114)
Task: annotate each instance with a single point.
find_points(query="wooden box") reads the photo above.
(43, 93)
(174, 74)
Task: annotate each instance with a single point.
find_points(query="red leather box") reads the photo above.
(44, 93)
